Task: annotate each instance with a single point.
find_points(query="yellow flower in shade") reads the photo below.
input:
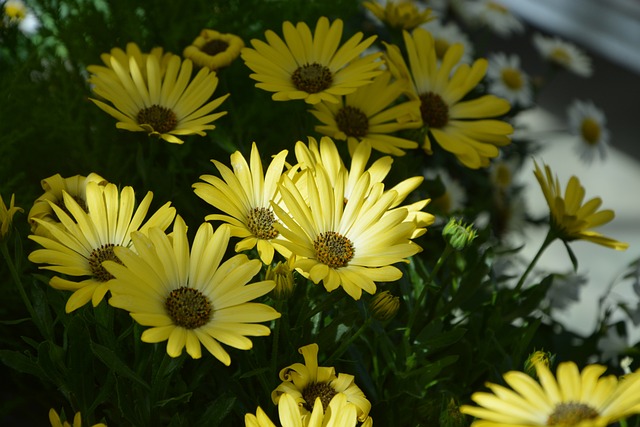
(190, 297)
(6, 215)
(572, 398)
(282, 275)
(244, 194)
(213, 49)
(163, 101)
(399, 14)
(85, 239)
(55, 420)
(340, 413)
(570, 218)
(370, 114)
(15, 11)
(461, 127)
(54, 186)
(308, 382)
(384, 306)
(311, 66)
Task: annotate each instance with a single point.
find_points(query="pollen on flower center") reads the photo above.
(571, 413)
(560, 56)
(435, 112)
(512, 78)
(97, 257)
(333, 249)
(215, 47)
(314, 390)
(352, 121)
(188, 307)
(590, 131)
(161, 119)
(260, 222)
(312, 78)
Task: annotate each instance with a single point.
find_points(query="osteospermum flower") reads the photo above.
(54, 187)
(245, 194)
(311, 66)
(460, 127)
(55, 420)
(86, 239)
(401, 14)
(309, 382)
(572, 398)
(6, 215)
(161, 101)
(340, 413)
(589, 124)
(349, 243)
(570, 218)
(213, 49)
(371, 114)
(563, 54)
(191, 297)
(508, 81)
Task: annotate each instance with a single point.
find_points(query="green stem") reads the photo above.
(345, 344)
(16, 278)
(276, 338)
(547, 241)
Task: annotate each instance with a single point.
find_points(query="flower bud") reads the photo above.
(384, 306)
(282, 274)
(458, 235)
(537, 357)
(451, 415)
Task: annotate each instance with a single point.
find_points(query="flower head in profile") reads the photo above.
(462, 127)
(190, 297)
(54, 187)
(313, 67)
(308, 382)
(213, 49)
(84, 239)
(570, 218)
(6, 215)
(403, 14)
(491, 14)
(572, 398)
(589, 124)
(371, 114)
(244, 195)
(161, 99)
(55, 420)
(508, 81)
(563, 54)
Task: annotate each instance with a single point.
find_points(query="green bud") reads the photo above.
(458, 235)
(384, 306)
(451, 416)
(282, 274)
(538, 357)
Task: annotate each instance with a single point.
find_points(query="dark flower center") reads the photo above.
(435, 112)
(352, 121)
(512, 78)
(214, 47)
(260, 222)
(571, 413)
(333, 249)
(188, 308)
(312, 78)
(590, 130)
(314, 390)
(161, 119)
(97, 257)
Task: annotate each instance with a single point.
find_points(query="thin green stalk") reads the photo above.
(346, 343)
(276, 337)
(547, 241)
(16, 278)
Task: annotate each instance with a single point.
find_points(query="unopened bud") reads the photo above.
(384, 306)
(451, 416)
(458, 235)
(282, 274)
(543, 358)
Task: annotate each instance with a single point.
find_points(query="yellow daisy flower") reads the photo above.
(311, 66)
(572, 398)
(54, 186)
(349, 243)
(15, 11)
(460, 127)
(245, 195)
(340, 413)
(401, 14)
(55, 420)
(570, 218)
(309, 382)
(85, 239)
(368, 115)
(190, 297)
(213, 49)
(6, 215)
(163, 102)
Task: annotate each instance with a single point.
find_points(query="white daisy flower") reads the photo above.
(589, 123)
(507, 80)
(454, 197)
(564, 54)
(490, 14)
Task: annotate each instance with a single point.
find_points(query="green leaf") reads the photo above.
(21, 362)
(112, 361)
(217, 411)
(183, 398)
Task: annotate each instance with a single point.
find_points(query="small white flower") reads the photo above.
(491, 14)
(564, 54)
(454, 197)
(508, 81)
(588, 123)
(445, 35)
